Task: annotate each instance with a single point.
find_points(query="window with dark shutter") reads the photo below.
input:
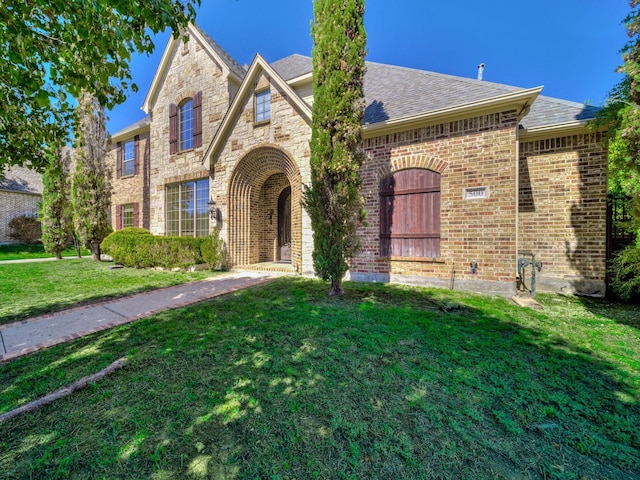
(136, 155)
(119, 160)
(197, 120)
(118, 217)
(173, 129)
(410, 214)
(186, 124)
(136, 214)
(127, 215)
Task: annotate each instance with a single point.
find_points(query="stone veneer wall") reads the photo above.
(15, 204)
(250, 155)
(472, 152)
(191, 70)
(132, 188)
(563, 210)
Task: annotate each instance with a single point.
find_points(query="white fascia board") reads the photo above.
(576, 127)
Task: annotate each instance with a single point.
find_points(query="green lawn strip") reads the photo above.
(30, 289)
(280, 381)
(25, 251)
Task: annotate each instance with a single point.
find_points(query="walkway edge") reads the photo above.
(251, 282)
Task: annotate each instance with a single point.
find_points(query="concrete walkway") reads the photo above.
(28, 336)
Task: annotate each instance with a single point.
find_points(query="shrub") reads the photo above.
(625, 273)
(25, 229)
(136, 247)
(212, 249)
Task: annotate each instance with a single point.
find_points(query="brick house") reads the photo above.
(462, 177)
(20, 193)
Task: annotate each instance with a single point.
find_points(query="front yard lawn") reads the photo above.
(21, 251)
(35, 288)
(388, 382)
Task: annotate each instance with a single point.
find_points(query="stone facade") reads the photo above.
(191, 70)
(500, 184)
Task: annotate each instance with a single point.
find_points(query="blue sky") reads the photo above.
(569, 46)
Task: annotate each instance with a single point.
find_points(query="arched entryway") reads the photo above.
(265, 209)
(284, 225)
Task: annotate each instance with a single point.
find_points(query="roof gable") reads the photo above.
(231, 68)
(258, 66)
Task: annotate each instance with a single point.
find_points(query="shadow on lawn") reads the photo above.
(281, 382)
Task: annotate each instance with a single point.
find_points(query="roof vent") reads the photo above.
(480, 71)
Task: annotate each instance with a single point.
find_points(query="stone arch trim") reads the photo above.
(184, 96)
(412, 161)
(245, 185)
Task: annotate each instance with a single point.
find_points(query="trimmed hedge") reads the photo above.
(136, 247)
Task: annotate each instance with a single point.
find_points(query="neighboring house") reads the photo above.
(20, 193)
(462, 177)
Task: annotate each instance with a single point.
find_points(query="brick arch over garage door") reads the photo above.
(246, 213)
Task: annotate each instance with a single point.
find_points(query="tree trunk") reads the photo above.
(95, 251)
(77, 246)
(58, 255)
(336, 288)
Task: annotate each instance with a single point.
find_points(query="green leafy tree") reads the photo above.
(55, 208)
(333, 200)
(621, 116)
(52, 50)
(91, 181)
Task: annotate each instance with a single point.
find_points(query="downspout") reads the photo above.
(515, 264)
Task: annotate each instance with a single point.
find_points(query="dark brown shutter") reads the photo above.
(136, 215)
(173, 128)
(136, 155)
(118, 217)
(119, 160)
(197, 120)
(410, 214)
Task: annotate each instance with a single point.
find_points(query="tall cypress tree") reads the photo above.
(333, 201)
(55, 209)
(91, 181)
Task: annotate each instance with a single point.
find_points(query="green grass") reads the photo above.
(390, 382)
(34, 288)
(23, 251)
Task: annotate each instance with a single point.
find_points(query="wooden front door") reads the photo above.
(284, 225)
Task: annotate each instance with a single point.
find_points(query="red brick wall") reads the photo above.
(563, 188)
(132, 188)
(472, 152)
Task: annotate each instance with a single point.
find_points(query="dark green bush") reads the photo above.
(25, 229)
(625, 273)
(212, 249)
(136, 247)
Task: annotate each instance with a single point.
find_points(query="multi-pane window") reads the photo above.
(128, 158)
(127, 215)
(186, 125)
(263, 106)
(188, 208)
(410, 214)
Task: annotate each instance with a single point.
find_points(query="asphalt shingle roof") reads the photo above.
(234, 66)
(393, 92)
(134, 126)
(21, 179)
